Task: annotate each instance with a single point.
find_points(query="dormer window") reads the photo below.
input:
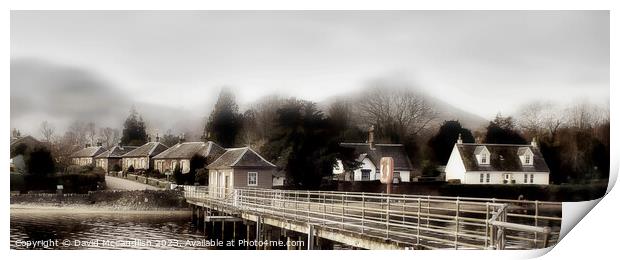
(483, 156)
(526, 156)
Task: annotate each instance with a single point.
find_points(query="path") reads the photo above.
(115, 183)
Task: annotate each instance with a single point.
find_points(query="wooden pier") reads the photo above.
(380, 221)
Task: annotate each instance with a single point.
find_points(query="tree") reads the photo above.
(47, 131)
(40, 165)
(169, 139)
(304, 144)
(224, 122)
(134, 132)
(395, 111)
(502, 131)
(91, 133)
(541, 119)
(342, 115)
(109, 136)
(443, 142)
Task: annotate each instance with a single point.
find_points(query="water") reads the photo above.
(71, 229)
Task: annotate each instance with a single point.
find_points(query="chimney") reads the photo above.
(371, 137)
(182, 138)
(98, 142)
(149, 139)
(156, 137)
(86, 145)
(459, 141)
(534, 143)
(120, 145)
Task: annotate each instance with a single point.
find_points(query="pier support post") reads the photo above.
(248, 234)
(289, 244)
(234, 234)
(310, 237)
(259, 227)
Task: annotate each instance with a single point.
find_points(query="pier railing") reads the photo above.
(425, 221)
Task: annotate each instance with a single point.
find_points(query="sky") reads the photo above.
(483, 62)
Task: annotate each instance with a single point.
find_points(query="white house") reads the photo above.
(369, 155)
(473, 163)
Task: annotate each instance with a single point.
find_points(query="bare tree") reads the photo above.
(91, 133)
(47, 131)
(402, 108)
(109, 136)
(541, 118)
(585, 115)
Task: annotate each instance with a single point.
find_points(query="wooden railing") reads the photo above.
(426, 221)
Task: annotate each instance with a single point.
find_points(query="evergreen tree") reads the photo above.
(225, 122)
(134, 132)
(305, 144)
(502, 131)
(442, 143)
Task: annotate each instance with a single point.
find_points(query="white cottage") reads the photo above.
(473, 163)
(369, 155)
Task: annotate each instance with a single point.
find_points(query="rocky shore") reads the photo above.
(146, 200)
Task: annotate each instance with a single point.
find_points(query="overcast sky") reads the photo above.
(482, 62)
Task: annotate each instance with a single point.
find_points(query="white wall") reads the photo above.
(541, 178)
(339, 168)
(455, 169)
(366, 165)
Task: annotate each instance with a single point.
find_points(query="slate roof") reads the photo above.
(90, 151)
(188, 149)
(504, 157)
(396, 151)
(148, 149)
(240, 157)
(116, 151)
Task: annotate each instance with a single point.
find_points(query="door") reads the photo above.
(226, 184)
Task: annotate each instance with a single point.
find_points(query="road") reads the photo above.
(114, 183)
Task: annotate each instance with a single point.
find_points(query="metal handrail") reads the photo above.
(426, 221)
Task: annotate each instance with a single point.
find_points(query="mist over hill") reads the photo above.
(60, 94)
(41, 90)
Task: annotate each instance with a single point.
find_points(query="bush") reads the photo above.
(116, 168)
(17, 182)
(202, 176)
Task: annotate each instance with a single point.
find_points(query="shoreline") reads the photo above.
(86, 209)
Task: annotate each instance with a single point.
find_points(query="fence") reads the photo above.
(427, 221)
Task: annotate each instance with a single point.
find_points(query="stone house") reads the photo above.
(181, 154)
(108, 159)
(141, 157)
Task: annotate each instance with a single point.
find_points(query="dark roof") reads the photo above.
(188, 149)
(116, 151)
(504, 157)
(90, 151)
(240, 157)
(148, 149)
(396, 151)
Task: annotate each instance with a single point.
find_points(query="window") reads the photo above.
(531, 178)
(527, 159)
(365, 175)
(488, 177)
(483, 158)
(481, 177)
(524, 178)
(507, 177)
(252, 178)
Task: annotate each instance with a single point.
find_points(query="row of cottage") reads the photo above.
(469, 163)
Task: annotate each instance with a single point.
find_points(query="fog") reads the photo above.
(94, 65)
